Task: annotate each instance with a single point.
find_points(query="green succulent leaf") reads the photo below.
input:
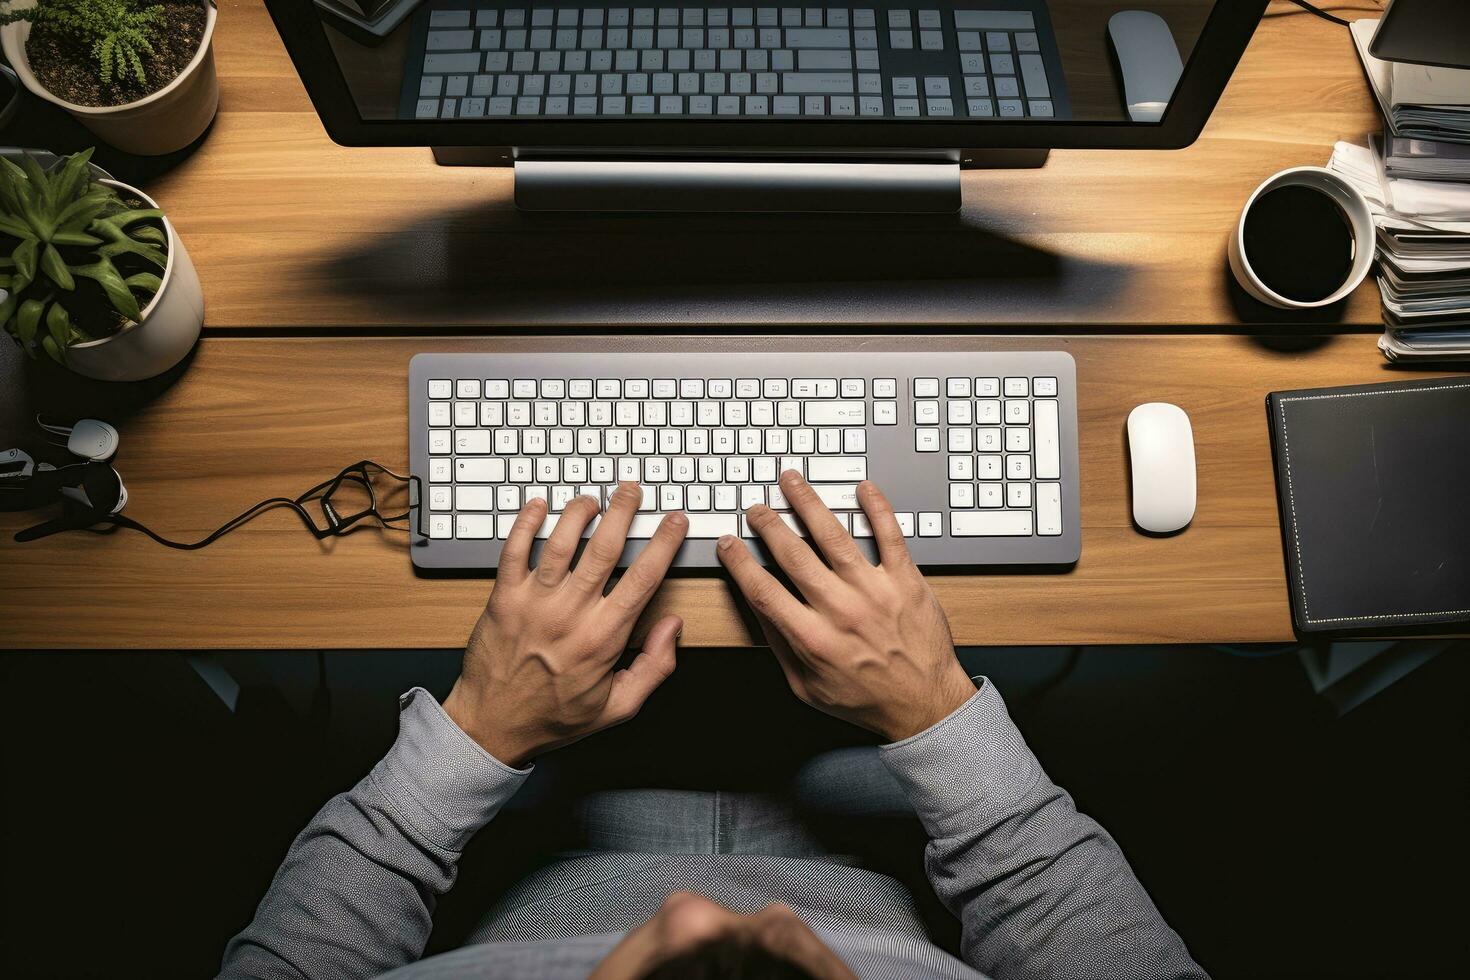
(126, 246)
(28, 318)
(80, 212)
(39, 182)
(25, 259)
(58, 325)
(78, 238)
(152, 234)
(57, 354)
(73, 178)
(119, 243)
(55, 268)
(19, 229)
(9, 195)
(105, 274)
(145, 281)
(124, 218)
(15, 178)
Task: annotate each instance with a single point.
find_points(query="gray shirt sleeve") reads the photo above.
(1040, 889)
(355, 895)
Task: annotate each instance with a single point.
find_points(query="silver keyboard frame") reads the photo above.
(942, 554)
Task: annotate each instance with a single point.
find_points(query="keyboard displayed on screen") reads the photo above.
(977, 451)
(985, 60)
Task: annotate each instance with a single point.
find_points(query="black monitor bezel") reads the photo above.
(1228, 29)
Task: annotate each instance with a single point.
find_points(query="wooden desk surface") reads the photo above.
(255, 417)
(290, 230)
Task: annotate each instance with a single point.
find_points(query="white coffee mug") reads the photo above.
(1359, 216)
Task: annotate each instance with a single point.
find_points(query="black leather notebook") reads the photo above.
(1374, 487)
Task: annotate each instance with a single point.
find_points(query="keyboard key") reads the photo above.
(471, 527)
(1048, 440)
(990, 523)
(836, 468)
(452, 64)
(994, 20)
(1033, 73)
(449, 18)
(797, 38)
(1049, 509)
(837, 496)
(812, 83)
(450, 41)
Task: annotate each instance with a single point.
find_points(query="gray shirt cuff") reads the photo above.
(438, 778)
(972, 763)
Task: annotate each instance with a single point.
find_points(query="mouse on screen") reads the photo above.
(1148, 60)
(1161, 452)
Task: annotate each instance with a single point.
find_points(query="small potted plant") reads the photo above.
(138, 73)
(92, 274)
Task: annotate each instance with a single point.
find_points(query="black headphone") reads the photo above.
(89, 493)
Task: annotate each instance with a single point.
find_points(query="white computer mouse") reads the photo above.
(1161, 450)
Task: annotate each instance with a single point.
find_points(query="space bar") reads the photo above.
(700, 525)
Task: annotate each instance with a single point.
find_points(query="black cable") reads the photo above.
(295, 504)
(1310, 8)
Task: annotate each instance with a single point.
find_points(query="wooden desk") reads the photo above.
(288, 229)
(294, 235)
(254, 417)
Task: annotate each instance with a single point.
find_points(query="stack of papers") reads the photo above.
(1416, 179)
(1423, 255)
(1419, 101)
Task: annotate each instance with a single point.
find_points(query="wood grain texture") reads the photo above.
(289, 230)
(254, 417)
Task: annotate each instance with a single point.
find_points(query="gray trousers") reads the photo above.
(838, 804)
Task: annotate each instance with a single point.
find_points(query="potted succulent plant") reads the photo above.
(138, 73)
(92, 274)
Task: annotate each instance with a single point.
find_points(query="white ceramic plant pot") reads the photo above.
(166, 331)
(167, 120)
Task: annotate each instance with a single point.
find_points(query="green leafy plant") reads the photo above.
(76, 261)
(117, 33)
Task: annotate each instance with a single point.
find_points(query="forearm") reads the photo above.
(356, 892)
(1040, 889)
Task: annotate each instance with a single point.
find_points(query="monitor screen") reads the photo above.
(490, 67)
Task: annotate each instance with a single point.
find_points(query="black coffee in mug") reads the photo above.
(1299, 243)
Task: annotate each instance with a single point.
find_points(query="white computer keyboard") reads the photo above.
(980, 466)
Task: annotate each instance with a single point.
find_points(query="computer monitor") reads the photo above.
(853, 104)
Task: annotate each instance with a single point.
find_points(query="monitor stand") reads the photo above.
(920, 182)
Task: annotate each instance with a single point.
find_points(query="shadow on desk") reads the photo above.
(439, 261)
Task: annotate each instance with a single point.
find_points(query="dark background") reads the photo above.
(143, 819)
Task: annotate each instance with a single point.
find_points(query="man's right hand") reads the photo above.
(871, 645)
